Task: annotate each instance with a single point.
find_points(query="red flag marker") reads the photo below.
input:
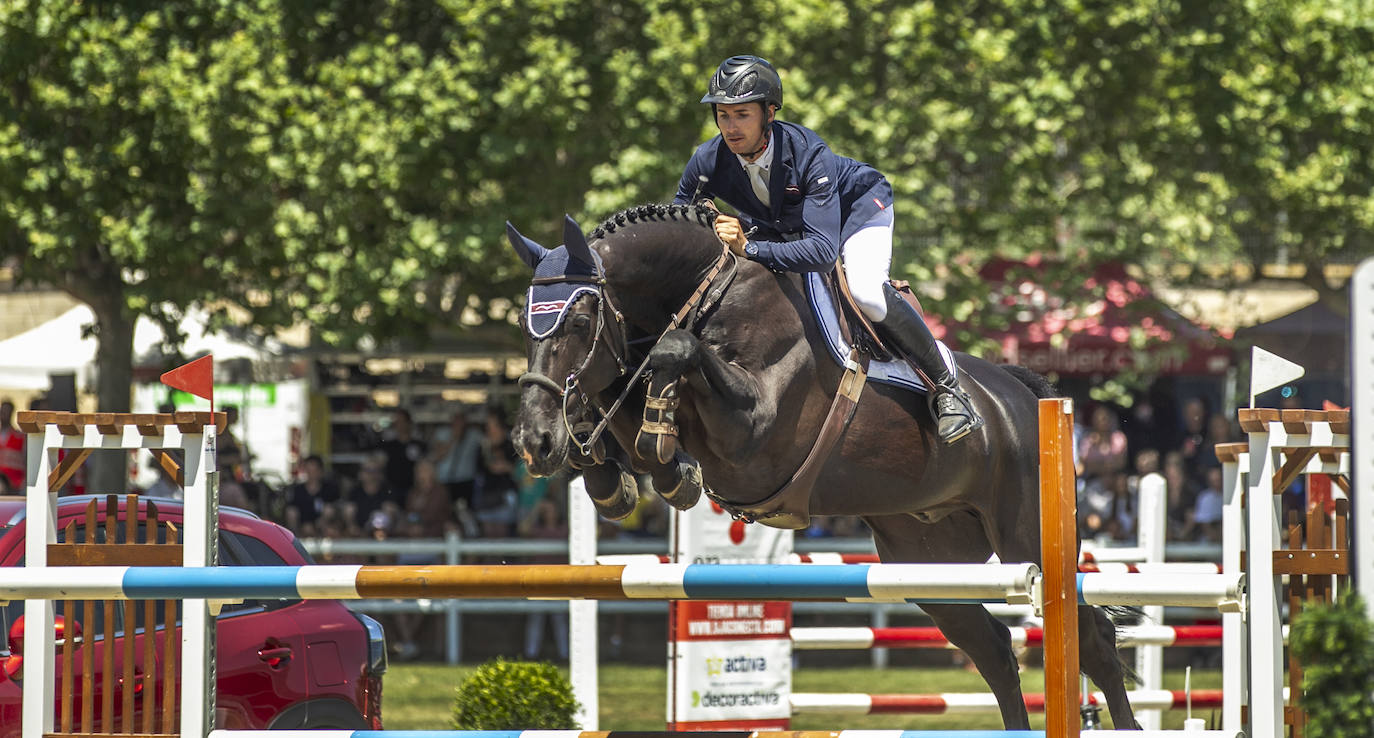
(197, 377)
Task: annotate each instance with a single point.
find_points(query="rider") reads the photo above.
(805, 206)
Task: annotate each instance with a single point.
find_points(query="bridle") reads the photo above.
(618, 346)
(606, 315)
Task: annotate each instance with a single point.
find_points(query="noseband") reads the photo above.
(618, 347)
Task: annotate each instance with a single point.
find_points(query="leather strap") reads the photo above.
(837, 420)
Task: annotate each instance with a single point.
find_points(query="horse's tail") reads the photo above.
(1123, 617)
(1035, 382)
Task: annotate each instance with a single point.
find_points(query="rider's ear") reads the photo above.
(575, 242)
(530, 252)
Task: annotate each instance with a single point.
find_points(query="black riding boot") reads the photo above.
(951, 406)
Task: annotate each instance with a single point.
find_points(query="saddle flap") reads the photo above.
(855, 322)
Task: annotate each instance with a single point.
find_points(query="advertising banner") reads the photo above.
(729, 663)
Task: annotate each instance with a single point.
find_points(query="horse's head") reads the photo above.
(575, 343)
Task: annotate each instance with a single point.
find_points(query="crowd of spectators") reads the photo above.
(1114, 451)
(462, 477)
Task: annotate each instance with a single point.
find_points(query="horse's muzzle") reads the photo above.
(544, 454)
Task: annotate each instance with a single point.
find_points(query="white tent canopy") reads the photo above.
(58, 347)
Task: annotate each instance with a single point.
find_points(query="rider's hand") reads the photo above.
(731, 233)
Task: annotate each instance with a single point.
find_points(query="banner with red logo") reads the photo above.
(729, 663)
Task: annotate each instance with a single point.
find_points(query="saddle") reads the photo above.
(789, 506)
(855, 327)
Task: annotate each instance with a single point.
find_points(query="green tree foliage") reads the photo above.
(349, 163)
(515, 695)
(1335, 644)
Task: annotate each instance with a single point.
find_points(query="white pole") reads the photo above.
(200, 547)
(39, 646)
(1235, 633)
(1362, 436)
(1151, 522)
(1266, 636)
(582, 630)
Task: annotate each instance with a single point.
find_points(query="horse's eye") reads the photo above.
(580, 322)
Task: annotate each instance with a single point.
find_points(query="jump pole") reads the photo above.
(1059, 567)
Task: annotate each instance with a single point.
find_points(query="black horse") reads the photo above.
(737, 381)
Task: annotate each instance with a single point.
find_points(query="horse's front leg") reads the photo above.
(678, 482)
(610, 483)
(725, 396)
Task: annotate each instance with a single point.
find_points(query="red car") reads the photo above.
(281, 664)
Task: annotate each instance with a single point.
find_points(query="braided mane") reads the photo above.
(703, 216)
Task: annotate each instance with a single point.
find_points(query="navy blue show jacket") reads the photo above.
(819, 198)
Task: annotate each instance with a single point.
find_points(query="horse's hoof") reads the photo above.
(621, 501)
(685, 495)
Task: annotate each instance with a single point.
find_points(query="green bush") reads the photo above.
(1335, 645)
(515, 695)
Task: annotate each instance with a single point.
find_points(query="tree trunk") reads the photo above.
(108, 471)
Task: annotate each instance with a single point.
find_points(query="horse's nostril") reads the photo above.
(545, 444)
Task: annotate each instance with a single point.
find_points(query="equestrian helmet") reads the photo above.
(742, 79)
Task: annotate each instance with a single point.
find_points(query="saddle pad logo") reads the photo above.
(547, 305)
(552, 306)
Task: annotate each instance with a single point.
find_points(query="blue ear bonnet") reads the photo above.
(559, 280)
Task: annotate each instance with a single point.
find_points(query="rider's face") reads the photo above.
(742, 126)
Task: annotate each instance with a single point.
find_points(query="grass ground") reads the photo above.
(420, 696)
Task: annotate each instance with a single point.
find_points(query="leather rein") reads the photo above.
(619, 347)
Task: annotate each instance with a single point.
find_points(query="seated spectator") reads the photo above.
(497, 495)
(1102, 450)
(428, 512)
(1204, 520)
(1147, 462)
(1195, 443)
(1180, 494)
(307, 499)
(1142, 429)
(372, 505)
(1096, 508)
(401, 447)
(1219, 430)
(457, 455)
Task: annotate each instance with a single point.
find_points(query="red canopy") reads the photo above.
(1105, 324)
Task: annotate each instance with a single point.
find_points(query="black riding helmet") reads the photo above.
(742, 79)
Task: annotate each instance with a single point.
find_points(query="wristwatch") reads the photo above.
(751, 250)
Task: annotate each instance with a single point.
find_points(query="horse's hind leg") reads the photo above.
(1099, 659)
(987, 642)
(1016, 540)
(960, 537)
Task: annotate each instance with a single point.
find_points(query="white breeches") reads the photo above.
(867, 258)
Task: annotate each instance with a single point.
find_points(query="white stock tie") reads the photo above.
(758, 177)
